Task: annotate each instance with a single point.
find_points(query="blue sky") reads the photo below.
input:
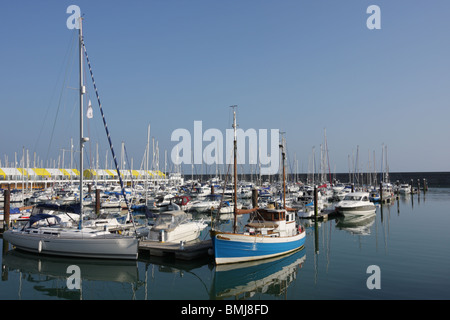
(295, 65)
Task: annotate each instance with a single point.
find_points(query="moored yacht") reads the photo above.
(355, 203)
(175, 226)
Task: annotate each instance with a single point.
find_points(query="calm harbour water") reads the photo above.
(408, 240)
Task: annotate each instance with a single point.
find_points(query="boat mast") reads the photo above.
(283, 157)
(235, 168)
(82, 139)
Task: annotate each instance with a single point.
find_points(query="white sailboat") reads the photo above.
(82, 241)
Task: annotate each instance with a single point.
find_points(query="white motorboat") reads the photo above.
(110, 201)
(404, 189)
(211, 202)
(356, 203)
(175, 226)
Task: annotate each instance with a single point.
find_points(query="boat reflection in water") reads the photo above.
(50, 275)
(357, 225)
(244, 280)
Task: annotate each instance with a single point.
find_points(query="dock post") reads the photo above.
(97, 201)
(254, 198)
(418, 186)
(315, 202)
(6, 207)
(425, 186)
(381, 192)
(397, 190)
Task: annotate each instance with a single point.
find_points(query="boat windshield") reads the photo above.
(352, 198)
(170, 219)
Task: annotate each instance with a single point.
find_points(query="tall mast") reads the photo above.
(146, 165)
(235, 168)
(82, 139)
(283, 157)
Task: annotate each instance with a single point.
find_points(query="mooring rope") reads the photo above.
(130, 216)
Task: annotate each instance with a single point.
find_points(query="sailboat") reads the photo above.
(271, 232)
(75, 241)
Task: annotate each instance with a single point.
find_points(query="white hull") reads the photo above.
(356, 211)
(356, 203)
(82, 244)
(185, 232)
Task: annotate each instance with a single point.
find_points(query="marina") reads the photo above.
(224, 202)
(338, 250)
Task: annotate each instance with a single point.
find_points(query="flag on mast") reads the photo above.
(90, 112)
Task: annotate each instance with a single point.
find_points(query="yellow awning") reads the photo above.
(64, 171)
(111, 173)
(89, 173)
(135, 173)
(42, 172)
(2, 173)
(159, 173)
(23, 171)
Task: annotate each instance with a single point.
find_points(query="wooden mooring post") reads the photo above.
(315, 203)
(6, 207)
(254, 198)
(97, 201)
(425, 185)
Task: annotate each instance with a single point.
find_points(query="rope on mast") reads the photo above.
(130, 216)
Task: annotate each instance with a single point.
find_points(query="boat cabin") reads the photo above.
(272, 222)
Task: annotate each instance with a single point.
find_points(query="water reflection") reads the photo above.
(245, 280)
(356, 225)
(48, 275)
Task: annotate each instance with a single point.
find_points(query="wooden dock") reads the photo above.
(324, 215)
(187, 251)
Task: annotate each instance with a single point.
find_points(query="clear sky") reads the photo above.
(300, 66)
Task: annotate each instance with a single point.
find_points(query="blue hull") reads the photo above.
(230, 248)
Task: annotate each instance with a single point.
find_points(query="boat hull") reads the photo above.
(356, 211)
(232, 248)
(187, 232)
(105, 247)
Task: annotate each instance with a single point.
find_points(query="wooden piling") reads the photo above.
(6, 207)
(254, 198)
(397, 192)
(97, 201)
(381, 192)
(315, 202)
